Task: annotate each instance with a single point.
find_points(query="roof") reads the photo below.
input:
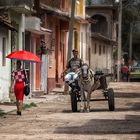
(104, 38)
(61, 14)
(100, 6)
(54, 11)
(7, 24)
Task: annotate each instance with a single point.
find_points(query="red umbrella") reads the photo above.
(24, 55)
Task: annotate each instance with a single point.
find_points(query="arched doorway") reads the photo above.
(101, 25)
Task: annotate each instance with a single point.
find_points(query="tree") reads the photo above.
(88, 2)
(131, 15)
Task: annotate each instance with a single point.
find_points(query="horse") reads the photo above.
(87, 84)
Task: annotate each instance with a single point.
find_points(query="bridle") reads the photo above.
(86, 74)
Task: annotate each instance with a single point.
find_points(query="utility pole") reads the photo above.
(71, 23)
(70, 39)
(119, 40)
(130, 41)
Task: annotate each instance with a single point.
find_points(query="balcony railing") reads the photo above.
(52, 3)
(29, 3)
(99, 2)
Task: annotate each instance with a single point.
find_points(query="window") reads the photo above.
(104, 49)
(82, 45)
(50, 60)
(3, 51)
(63, 4)
(75, 39)
(23, 40)
(100, 49)
(101, 26)
(95, 48)
(92, 49)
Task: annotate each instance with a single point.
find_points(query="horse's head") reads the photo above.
(85, 71)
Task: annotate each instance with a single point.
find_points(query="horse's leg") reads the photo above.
(85, 102)
(82, 100)
(88, 101)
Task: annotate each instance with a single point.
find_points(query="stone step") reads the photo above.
(37, 93)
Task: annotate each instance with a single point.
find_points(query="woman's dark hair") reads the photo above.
(18, 62)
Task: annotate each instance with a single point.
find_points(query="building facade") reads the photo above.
(13, 36)
(103, 35)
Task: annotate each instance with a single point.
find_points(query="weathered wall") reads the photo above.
(5, 71)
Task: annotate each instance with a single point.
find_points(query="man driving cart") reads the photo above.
(72, 66)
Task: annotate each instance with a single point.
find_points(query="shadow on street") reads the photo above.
(105, 126)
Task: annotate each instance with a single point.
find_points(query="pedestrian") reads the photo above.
(17, 85)
(125, 72)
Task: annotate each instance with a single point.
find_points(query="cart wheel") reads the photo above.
(73, 101)
(111, 102)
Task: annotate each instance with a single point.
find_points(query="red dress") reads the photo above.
(19, 77)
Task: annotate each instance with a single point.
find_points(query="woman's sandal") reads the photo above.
(18, 113)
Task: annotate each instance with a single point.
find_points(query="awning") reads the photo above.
(41, 31)
(7, 25)
(45, 30)
(55, 12)
(104, 38)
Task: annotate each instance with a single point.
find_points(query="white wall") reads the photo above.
(5, 71)
(104, 61)
(21, 30)
(83, 42)
(20, 21)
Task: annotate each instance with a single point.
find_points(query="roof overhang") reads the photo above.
(54, 11)
(41, 31)
(7, 25)
(81, 20)
(45, 30)
(20, 8)
(104, 38)
(100, 6)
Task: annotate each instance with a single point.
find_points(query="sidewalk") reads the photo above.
(8, 107)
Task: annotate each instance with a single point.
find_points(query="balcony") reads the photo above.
(51, 3)
(20, 6)
(100, 2)
(63, 5)
(32, 24)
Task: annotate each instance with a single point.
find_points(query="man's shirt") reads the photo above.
(74, 64)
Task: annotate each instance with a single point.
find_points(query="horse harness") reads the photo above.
(86, 81)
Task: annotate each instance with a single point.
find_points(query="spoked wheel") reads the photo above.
(111, 101)
(73, 101)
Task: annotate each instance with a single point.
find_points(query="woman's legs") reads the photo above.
(19, 106)
(19, 87)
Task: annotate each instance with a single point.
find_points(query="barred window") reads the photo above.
(100, 49)
(95, 48)
(3, 51)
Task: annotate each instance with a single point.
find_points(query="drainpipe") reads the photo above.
(119, 40)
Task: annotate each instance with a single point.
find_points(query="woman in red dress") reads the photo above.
(18, 86)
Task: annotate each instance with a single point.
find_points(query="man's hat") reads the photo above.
(74, 50)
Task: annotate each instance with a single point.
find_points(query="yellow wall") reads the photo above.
(77, 28)
(79, 11)
(79, 7)
(67, 4)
